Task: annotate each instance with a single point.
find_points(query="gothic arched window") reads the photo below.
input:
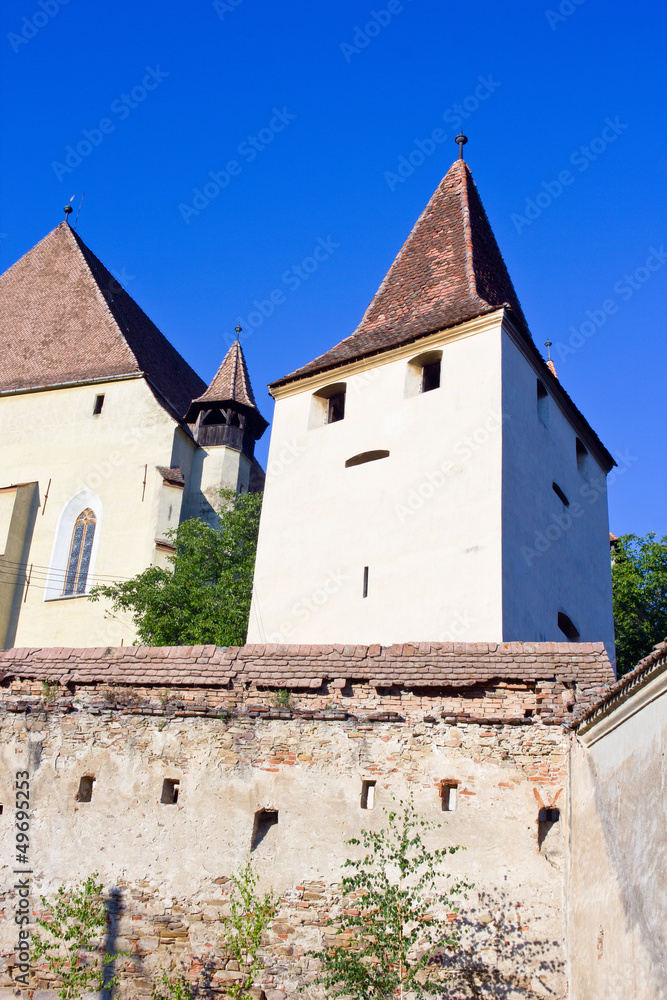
(81, 547)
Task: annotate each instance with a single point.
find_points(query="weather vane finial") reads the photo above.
(547, 344)
(237, 331)
(68, 208)
(461, 139)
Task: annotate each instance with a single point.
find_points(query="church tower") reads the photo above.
(225, 423)
(440, 484)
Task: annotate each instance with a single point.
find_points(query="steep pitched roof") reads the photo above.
(231, 382)
(449, 270)
(65, 318)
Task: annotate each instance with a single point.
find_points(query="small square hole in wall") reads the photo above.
(547, 821)
(368, 794)
(448, 796)
(265, 819)
(85, 792)
(170, 791)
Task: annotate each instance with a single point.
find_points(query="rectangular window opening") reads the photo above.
(99, 403)
(542, 403)
(264, 820)
(368, 794)
(85, 792)
(365, 586)
(547, 820)
(336, 407)
(582, 457)
(170, 788)
(448, 796)
(431, 376)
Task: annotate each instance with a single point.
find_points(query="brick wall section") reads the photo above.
(555, 681)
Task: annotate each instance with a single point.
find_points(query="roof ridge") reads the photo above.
(464, 170)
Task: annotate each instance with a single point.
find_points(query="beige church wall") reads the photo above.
(214, 468)
(52, 437)
(19, 510)
(425, 520)
(555, 557)
(234, 753)
(617, 877)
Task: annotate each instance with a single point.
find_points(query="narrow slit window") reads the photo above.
(85, 792)
(80, 551)
(368, 794)
(99, 403)
(364, 592)
(542, 403)
(170, 789)
(559, 493)
(265, 819)
(567, 627)
(336, 408)
(365, 456)
(448, 796)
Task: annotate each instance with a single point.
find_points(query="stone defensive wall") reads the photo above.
(164, 769)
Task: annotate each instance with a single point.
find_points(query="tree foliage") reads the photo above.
(639, 583)
(69, 945)
(396, 915)
(204, 595)
(250, 915)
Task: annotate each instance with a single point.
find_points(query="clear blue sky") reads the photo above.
(316, 114)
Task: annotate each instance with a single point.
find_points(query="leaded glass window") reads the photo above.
(79, 553)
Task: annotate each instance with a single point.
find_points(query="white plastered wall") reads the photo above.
(555, 557)
(426, 520)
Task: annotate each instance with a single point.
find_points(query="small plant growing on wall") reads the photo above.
(283, 699)
(175, 987)
(69, 944)
(389, 931)
(49, 692)
(250, 915)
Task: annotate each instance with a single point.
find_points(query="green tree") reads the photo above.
(395, 913)
(250, 915)
(70, 945)
(639, 583)
(204, 596)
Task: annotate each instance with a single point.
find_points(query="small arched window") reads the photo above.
(80, 550)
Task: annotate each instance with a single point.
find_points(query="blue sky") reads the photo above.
(302, 113)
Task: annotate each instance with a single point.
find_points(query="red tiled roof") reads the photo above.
(648, 668)
(449, 270)
(65, 318)
(172, 475)
(457, 665)
(231, 382)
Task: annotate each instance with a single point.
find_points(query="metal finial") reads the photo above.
(461, 139)
(237, 331)
(68, 207)
(547, 344)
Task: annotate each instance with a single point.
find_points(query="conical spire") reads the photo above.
(231, 389)
(449, 270)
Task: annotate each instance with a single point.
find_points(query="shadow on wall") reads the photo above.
(501, 954)
(635, 830)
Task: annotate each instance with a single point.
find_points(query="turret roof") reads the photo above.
(64, 318)
(231, 382)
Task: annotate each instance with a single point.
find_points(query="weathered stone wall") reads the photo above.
(235, 752)
(617, 879)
